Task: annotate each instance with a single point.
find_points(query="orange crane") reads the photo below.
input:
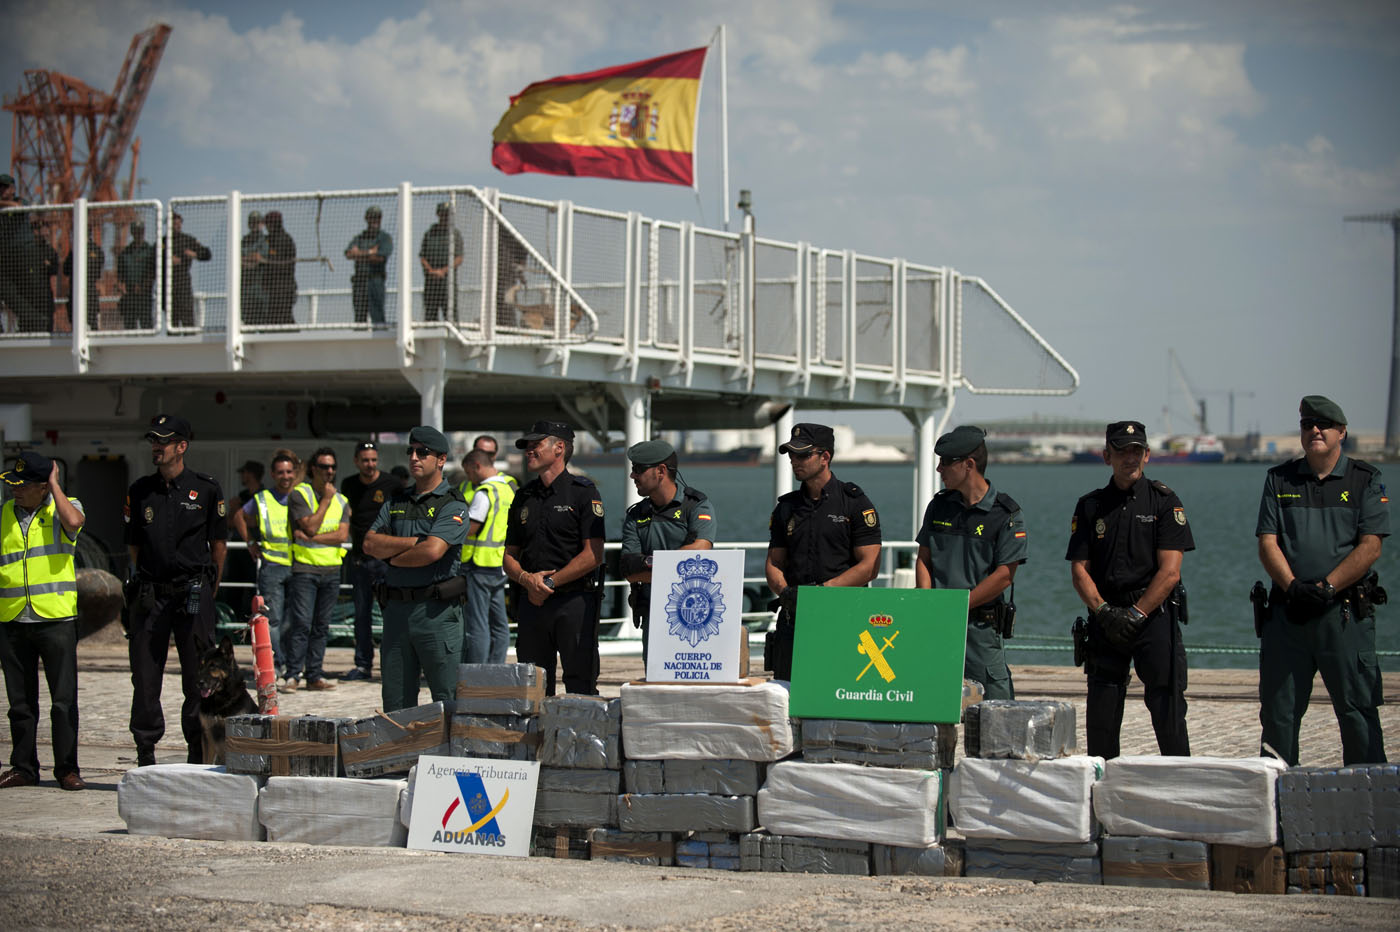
(69, 139)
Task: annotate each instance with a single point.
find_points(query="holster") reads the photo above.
(1080, 633)
(1259, 598)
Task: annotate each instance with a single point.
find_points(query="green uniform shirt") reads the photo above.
(1320, 521)
(366, 268)
(409, 514)
(967, 543)
(647, 529)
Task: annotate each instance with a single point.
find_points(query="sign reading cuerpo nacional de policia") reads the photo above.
(696, 623)
(472, 805)
(885, 655)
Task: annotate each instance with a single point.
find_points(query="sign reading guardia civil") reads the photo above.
(883, 655)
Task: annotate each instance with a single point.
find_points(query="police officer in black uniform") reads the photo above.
(176, 536)
(825, 533)
(554, 547)
(1125, 548)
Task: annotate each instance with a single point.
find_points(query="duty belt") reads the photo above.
(445, 591)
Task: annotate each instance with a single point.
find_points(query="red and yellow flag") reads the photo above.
(634, 122)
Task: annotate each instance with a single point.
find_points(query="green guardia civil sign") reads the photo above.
(884, 655)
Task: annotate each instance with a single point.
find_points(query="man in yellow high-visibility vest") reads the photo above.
(320, 520)
(263, 523)
(486, 632)
(39, 528)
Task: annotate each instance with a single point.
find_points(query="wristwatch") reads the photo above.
(549, 581)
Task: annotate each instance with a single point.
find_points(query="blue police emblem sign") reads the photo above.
(696, 623)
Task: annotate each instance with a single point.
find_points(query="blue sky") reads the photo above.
(1129, 178)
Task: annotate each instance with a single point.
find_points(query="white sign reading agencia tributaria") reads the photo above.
(696, 623)
(473, 805)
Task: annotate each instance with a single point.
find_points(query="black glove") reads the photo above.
(1311, 593)
(630, 563)
(787, 599)
(1120, 626)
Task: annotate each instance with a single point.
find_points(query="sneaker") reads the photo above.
(320, 684)
(358, 673)
(290, 686)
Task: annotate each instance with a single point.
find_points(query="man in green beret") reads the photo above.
(665, 519)
(1321, 520)
(974, 537)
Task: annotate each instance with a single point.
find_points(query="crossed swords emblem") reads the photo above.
(876, 653)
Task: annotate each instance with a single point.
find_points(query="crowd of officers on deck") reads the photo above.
(438, 558)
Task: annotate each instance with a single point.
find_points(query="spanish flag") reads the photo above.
(632, 122)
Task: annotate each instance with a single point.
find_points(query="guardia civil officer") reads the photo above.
(1125, 548)
(1321, 520)
(419, 534)
(665, 519)
(176, 536)
(554, 546)
(825, 533)
(974, 537)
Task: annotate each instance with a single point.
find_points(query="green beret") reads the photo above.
(1321, 406)
(960, 441)
(430, 437)
(650, 452)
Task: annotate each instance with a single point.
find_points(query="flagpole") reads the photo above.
(724, 121)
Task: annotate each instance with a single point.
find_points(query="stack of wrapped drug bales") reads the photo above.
(1169, 820)
(1022, 795)
(156, 800)
(695, 762)
(580, 755)
(1341, 829)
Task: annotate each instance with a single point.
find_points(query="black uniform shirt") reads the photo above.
(550, 523)
(174, 523)
(820, 537)
(1120, 532)
(366, 498)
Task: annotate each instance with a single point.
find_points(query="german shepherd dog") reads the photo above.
(221, 694)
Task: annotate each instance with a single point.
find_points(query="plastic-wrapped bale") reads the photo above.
(1220, 801)
(499, 688)
(760, 851)
(283, 745)
(568, 843)
(406, 800)
(156, 800)
(849, 802)
(715, 850)
(391, 742)
(655, 848)
(1383, 872)
(1047, 801)
(682, 812)
(717, 777)
(972, 693)
(581, 731)
(496, 737)
(1247, 870)
(941, 860)
(582, 798)
(1011, 728)
(333, 811)
(1156, 862)
(907, 745)
(1041, 863)
(1333, 873)
(660, 722)
(1340, 808)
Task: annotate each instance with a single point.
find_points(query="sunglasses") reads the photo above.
(950, 460)
(1321, 423)
(421, 452)
(639, 470)
(802, 456)
(365, 445)
(330, 467)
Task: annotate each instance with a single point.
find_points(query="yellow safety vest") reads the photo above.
(275, 537)
(37, 568)
(488, 547)
(311, 553)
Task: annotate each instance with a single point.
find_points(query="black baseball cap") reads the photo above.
(168, 427)
(30, 466)
(1122, 434)
(809, 436)
(542, 429)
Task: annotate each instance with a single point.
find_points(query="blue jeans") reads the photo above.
(365, 573)
(313, 602)
(486, 632)
(274, 585)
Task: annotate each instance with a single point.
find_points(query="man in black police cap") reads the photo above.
(177, 537)
(554, 548)
(1125, 548)
(1321, 520)
(824, 533)
(665, 519)
(974, 537)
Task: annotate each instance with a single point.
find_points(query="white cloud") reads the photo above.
(1314, 172)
